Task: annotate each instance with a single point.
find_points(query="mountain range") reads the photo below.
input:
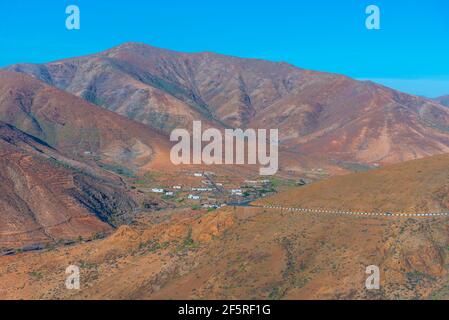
(318, 114)
(73, 131)
(82, 138)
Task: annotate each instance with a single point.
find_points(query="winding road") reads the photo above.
(349, 213)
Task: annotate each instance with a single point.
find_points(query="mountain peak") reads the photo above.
(139, 48)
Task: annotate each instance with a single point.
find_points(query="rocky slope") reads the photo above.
(75, 127)
(256, 253)
(417, 186)
(247, 253)
(45, 196)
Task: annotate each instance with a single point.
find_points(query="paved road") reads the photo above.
(361, 214)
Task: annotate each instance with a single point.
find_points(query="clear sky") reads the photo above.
(410, 52)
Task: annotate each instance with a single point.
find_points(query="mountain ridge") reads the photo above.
(318, 114)
(75, 127)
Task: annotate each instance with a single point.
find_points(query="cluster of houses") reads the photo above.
(167, 193)
(212, 193)
(172, 193)
(190, 196)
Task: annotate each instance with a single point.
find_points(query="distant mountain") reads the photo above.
(444, 100)
(75, 127)
(318, 114)
(45, 196)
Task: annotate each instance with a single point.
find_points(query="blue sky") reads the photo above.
(410, 52)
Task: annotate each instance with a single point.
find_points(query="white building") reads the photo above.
(192, 197)
(177, 187)
(169, 193)
(157, 190)
(202, 189)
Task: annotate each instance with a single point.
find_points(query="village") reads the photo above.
(207, 190)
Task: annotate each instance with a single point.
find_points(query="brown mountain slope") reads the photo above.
(75, 127)
(318, 114)
(417, 186)
(254, 253)
(247, 253)
(360, 122)
(124, 87)
(45, 196)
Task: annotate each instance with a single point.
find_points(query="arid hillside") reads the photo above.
(257, 253)
(75, 127)
(318, 114)
(417, 186)
(247, 253)
(85, 149)
(125, 88)
(46, 197)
